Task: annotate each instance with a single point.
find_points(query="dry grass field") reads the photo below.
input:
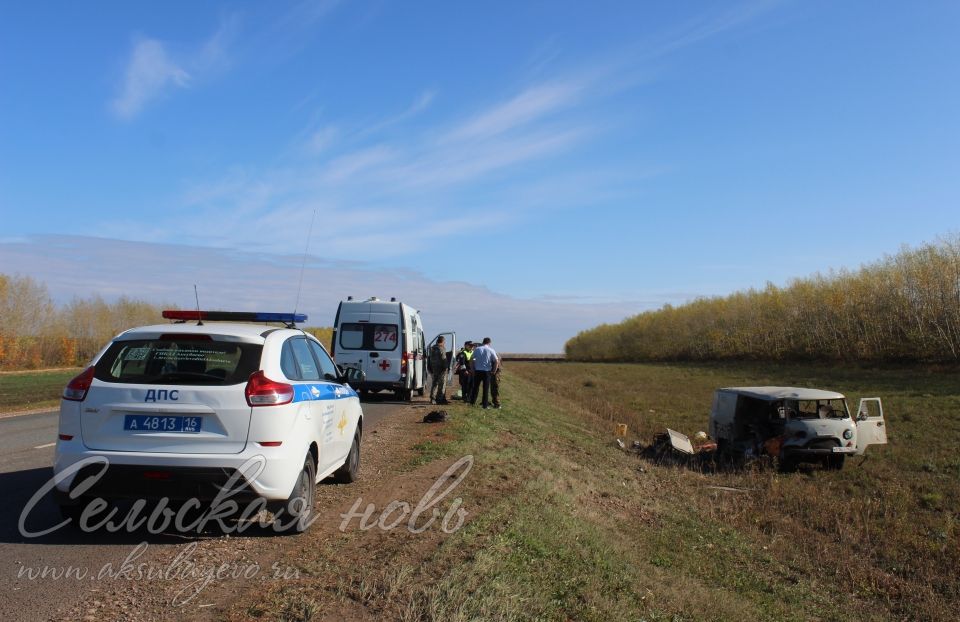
(876, 540)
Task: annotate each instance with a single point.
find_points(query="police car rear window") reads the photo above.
(356, 336)
(186, 360)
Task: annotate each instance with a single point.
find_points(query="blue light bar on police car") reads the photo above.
(233, 316)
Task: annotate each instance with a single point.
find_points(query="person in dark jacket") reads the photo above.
(464, 370)
(438, 366)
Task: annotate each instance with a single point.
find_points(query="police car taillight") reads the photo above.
(261, 391)
(76, 391)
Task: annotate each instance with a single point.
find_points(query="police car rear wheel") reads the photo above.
(350, 470)
(293, 515)
(73, 512)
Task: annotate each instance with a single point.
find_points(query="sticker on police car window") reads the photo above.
(136, 354)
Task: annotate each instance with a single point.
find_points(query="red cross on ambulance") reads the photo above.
(384, 365)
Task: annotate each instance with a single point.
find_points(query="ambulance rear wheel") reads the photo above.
(404, 395)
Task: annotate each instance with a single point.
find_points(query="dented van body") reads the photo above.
(794, 424)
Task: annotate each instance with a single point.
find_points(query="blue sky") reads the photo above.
(525, 170)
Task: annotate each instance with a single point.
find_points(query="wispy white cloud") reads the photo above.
(322, 139)
(214, 53)
(152, 71)
(545, 55)
(712, 24)
(318, 140)
(149, 74)
(349, 166)
(301, 16)
(421, 103)
(290, 31)
(530, 105)
(460, 164)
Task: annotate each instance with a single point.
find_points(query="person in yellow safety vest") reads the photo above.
(464, 369)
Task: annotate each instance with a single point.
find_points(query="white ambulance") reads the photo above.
(384, 340)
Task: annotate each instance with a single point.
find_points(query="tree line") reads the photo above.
(902, 308)
(36, 333)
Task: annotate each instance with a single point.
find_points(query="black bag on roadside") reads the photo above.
(435, 416)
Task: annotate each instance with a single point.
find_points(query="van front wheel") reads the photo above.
(835, 462)
(787, 464)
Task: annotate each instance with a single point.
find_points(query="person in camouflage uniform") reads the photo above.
(438, 364)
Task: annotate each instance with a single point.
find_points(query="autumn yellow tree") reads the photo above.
(904, 307)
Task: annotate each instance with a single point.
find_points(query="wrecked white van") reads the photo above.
(794, 425)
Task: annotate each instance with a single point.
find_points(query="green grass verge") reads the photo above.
(31, 390)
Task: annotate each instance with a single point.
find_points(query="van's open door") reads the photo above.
(450, 345)
(871, 429)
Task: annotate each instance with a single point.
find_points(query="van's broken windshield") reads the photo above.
(816, 409)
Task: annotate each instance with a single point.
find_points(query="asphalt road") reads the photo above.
(26, 456)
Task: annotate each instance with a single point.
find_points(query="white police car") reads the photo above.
(178, 409)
